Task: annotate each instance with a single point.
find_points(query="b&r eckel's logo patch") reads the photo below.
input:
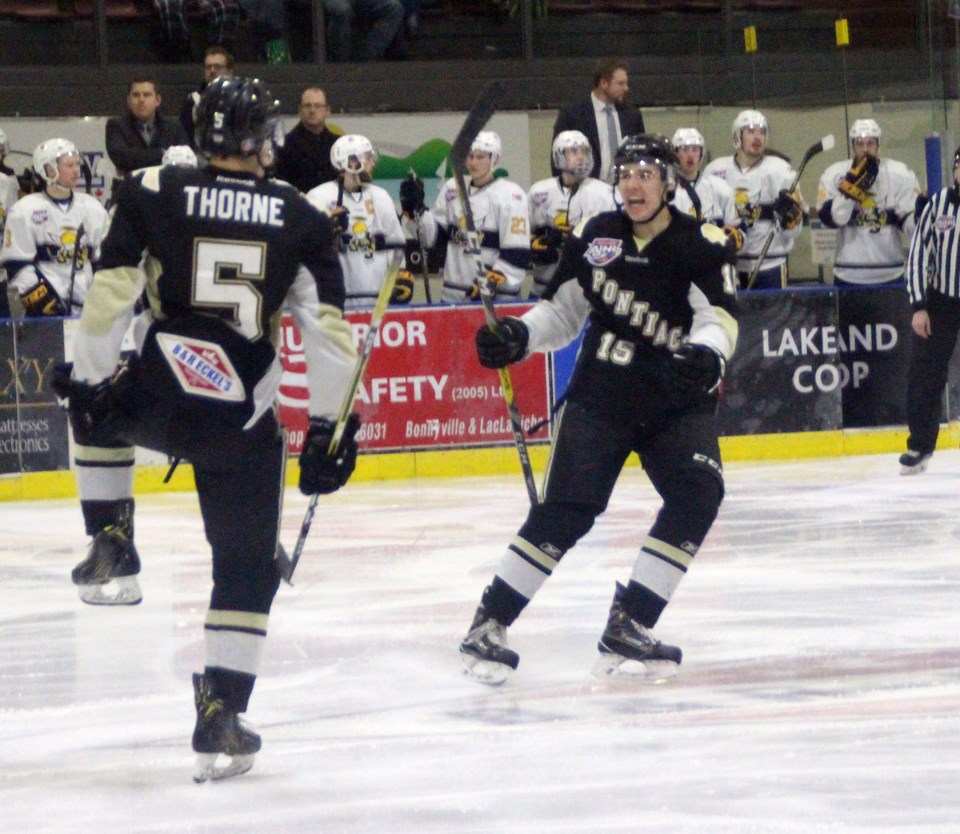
(603, 250)
(202, 368)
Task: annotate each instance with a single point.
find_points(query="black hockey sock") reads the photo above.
(642, 604)
(502, 602)
(98, 515)
(232, 687)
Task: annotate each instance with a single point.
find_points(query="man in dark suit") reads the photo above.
(604, 118)
(304, 159)
(139, 137)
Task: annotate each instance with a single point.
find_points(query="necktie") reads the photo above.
(146, 131)
(611, 133)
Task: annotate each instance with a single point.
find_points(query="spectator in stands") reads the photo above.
(139, 137)
(213, 21)
(9, 193)
(604, 118)
(304, 159)
(383, 19)
(217, 63)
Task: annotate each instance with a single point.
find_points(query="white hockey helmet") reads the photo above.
(865, 129)
(3, 142)
(181, 155)
(46, 156)
(566, 140)
(488, 142)
(748, 118)
(350, 153)
(688, 137)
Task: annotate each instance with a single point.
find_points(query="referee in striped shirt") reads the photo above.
(933, 282)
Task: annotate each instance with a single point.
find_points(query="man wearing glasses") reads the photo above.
(304, 159)
(217, 63)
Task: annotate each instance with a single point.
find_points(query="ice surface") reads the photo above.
(820, 688)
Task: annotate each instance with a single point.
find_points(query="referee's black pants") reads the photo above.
(928, 372)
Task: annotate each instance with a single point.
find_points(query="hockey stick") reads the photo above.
(287, 565)
(478, 116)
(73, 269)
(824, 144)
(418, 254)
(687, 186)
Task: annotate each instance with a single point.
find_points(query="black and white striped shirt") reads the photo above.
(934, 259)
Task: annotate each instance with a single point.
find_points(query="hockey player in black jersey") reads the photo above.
(659, 291)
(226, 250)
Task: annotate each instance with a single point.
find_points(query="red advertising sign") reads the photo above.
(423, 387)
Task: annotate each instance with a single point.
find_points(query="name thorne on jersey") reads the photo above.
(210, 203)
(817, 341)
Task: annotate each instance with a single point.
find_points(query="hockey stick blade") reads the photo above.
(825, 144)
(286, 565)
(481, 111)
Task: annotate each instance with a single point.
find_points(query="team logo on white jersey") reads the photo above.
(39, 217)
(603, 250)
(202, 368)
(946, 223)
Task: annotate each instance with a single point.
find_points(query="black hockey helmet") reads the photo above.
(649, 147)
(236, 116)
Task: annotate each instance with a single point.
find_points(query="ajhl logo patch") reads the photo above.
(603, 250)
(202, 368)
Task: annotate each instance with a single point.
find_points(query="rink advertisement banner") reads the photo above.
(423, 387)
(874, 345)
(786, 375)
(33, 428)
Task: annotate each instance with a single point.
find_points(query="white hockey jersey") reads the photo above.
(717, 203)
(40, 237)
(372, 233)
(873, 238)
(503, 225)
(755, 190)
(554, 205)
(9, 194)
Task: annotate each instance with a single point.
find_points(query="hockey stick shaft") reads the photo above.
(73, 269)
(479, 115)
(824, 144)
(376, 318)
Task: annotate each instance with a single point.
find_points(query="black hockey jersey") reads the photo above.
(217, 235)
(643, 303)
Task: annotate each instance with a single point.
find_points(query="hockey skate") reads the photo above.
(628, 649)
(484, 651)
(219, 732)
(913, 463)
(108, 576)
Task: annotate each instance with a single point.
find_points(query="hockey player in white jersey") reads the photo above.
(9, 194)
(717, 203)
(366, 221)
(500, 213)
(559, 203)
(870, 201)
(760, 183)
(52, 236)
(108, 575)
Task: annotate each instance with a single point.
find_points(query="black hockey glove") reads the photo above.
(545, 248)
(788, 210)
(403, 289)
(42, 300)
(507, 345)
(411, 196)
(98, 413)
(860, 178)
(699, 369)
(321, 472)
